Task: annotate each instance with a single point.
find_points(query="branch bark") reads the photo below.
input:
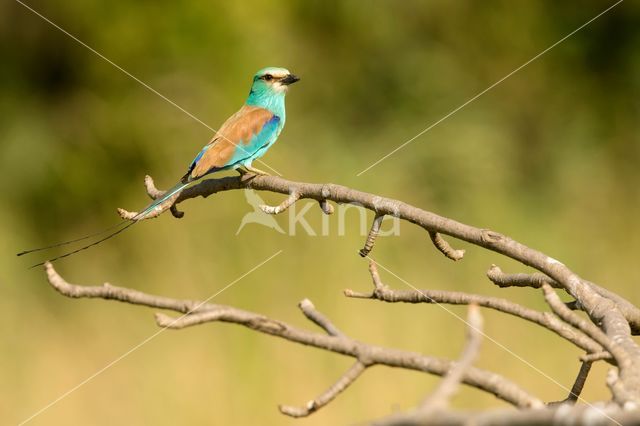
(503, 280)
(605, 336)
(385, 294)
(560, 415)
(616, 321)
(350, 376)
(195, 313)
(439, 399)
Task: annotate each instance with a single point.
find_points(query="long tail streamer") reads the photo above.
(120, 227)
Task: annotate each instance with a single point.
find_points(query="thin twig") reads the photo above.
(154, 193)
(432, 222)
(288, 202)
(582, 324)
(617, 319)
(168, 204)
(578, 385)
(385, 294)
(367, 354)
(318, 318)
(621, 381)
(373, 234)
(444, 247)
(597, 356)
(327, 396)
(558, 415)
(449, 385)
(535, 280)
(110, 292)
(503, 280)
(325, 207)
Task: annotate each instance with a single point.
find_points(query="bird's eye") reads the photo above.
(268, 77)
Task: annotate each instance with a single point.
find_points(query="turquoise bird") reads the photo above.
(243, 138)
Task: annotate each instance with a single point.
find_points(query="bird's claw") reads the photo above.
(249, 169)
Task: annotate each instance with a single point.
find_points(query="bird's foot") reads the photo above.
(250, 169)
(245, 175)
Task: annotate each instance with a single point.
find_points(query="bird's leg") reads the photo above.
(245, 175)
(256, 171)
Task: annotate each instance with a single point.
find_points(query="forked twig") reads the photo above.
(195, 313)
(385, 294)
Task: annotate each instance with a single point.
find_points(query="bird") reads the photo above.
(244, 137)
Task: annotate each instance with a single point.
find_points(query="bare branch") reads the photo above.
(373, 234)
(345, 380)
(325, 207)
(501, 279)
(375, 277)
(622, 382)
(288, 202)
(365, 353)
(313, 315)
(585, 326)
(125, 214)
(448, 386)
(578, 385)
(444, 247)
(383, 293)
(110, 292)
(610, 314)
(155, 193)
(615, 321)
(597, 356)
(559, 415)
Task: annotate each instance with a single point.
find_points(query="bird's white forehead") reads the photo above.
(274, 71)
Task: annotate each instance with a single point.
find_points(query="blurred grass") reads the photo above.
(549, 157)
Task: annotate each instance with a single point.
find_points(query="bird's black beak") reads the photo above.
(290, 79)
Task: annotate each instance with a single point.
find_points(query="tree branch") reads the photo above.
(613, 319)
(437, 402)
(501, 279)
(439, 399)
(313, 315)
(198, 313)
(288, 202)
(373, 234)
(325, 207)
(385, 294)
(578, 384)
(570, 317)
(559, 415)
(310, 407)
(444, 247)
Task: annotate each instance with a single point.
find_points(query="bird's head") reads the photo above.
(272, 80)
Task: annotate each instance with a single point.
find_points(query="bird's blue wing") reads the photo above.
(245, 136)
(258, 143)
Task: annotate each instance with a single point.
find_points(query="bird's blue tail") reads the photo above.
(117, 229)
(170, 193)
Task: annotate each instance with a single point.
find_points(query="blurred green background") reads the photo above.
(549, 157)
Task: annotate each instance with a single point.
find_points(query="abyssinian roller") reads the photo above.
(246, 136)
